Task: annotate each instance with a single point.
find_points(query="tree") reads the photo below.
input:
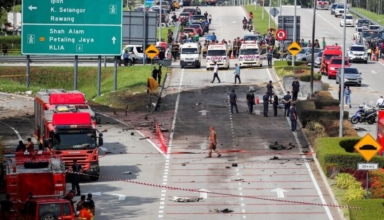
(7, 4)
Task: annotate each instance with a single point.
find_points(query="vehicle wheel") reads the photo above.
(182, 67)
(354, 120)
(359, 85)
(329, 77)
(228, 67)
(261, 65)
(366, 61)
(371, 120)
(207, 69)
(94, 177)
(48, 216)
(337, 82)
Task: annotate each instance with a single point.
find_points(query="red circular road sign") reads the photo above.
(281, 35)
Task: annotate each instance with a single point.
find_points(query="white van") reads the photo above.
(217, 53)
(249, 55)
(135, 52)
(190, 55)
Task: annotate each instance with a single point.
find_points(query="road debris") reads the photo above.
(128, 172)
(238, 179)
(221, 210)
(274, 158)
(234, 164)
(186, 199)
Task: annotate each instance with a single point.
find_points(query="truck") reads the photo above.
(64, 122)
(36, 184)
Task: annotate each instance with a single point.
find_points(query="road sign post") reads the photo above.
(367, 147)
(294, 49)
(71, 27)
(152, 51)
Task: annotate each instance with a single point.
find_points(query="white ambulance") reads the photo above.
(217, 53)
(249, 55)
(190, 55)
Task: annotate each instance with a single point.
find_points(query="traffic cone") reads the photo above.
(257, 100)
(232, 57)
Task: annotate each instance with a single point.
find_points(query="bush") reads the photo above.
(354, 193)
(307, 77)
(377, 183)
(323, 94)
(297, 63)
(368, 209)
(329, 151)
(345, 180)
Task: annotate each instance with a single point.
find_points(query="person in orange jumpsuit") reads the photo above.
(85, 212)
(213, 142)
(323, 67)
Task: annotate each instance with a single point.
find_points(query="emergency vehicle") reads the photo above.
(190, 55)
(322, 4)
(217, 53)
(42, 175)
(249, 54)
(380, 131)
(63, 122)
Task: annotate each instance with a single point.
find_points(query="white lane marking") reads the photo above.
(326, 20)
(120, 197)
(14, 129)
(234, 145)
(166, 166)
(374, 72)
(121, 122)
(330, 217)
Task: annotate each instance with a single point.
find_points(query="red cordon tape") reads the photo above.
(161, 138)
(223, 194)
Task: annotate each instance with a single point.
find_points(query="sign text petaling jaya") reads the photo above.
(69, 26)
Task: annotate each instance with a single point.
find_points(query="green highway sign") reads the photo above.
(71, 40)
(71, 27)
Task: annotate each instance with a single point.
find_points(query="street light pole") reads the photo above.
(161, 9)
(313, 45)
(341, 83)
(294, 33)
(262, 12)
(269, 15)
(281, 8)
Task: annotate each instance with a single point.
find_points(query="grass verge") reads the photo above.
(339, 195)
(372, 209)
(131, 82)
(371, 15)
(260, 24)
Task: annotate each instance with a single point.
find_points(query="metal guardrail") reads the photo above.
(363, 16)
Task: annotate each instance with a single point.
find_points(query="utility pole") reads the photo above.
(342, 76)
(269, 15)
(294, 34)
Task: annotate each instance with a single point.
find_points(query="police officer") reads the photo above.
(296, 89)
(250, 101)
(293, 117)
(275, 103)
(269, 90)
(76, 169)
(269, 58)
(175, 50)
(233, 101)
(265, 103)
(287, 99)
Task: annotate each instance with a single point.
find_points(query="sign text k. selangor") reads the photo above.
(71, 27)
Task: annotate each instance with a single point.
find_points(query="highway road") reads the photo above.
(243, 139)
(288, 187)
(328, 26)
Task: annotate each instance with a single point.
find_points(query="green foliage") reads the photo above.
(377, 183)
(329, 151)
(371, 15)
(288, 63)
(345, 180)
(62, 77)
(307, 77)
(261, 25)
(369, 209)
(16, 40)
(297, 63)
(354, 193)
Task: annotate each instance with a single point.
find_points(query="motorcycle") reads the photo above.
(364, 114)
(244, 26)
(250, 27)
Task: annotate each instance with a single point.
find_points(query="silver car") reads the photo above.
(305, 54)
(351, 76)
(317, 62)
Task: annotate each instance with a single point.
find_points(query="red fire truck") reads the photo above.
(43, 176)
(380, 131)
(65, 122)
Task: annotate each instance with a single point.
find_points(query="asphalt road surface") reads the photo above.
(243, 139)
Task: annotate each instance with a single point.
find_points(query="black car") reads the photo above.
(333, 8)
